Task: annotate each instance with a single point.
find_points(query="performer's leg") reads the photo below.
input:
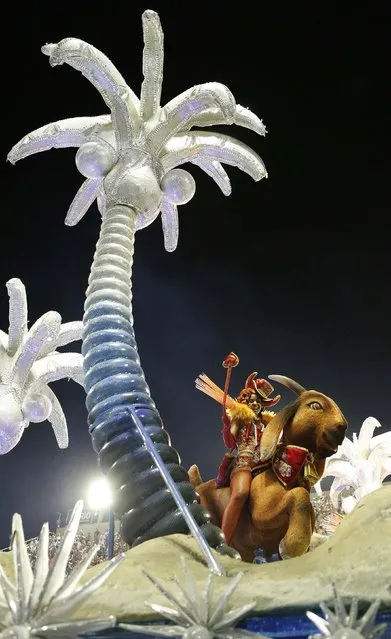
(240, 489)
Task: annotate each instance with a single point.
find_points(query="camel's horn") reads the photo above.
(289, 383)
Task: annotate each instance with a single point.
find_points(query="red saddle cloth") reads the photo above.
(288, 461)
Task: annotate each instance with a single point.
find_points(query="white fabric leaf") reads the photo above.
(43, 331)
(153, 56)
(57, 419)
(176, 114)
(170, 224)
(214, 169)
(57, 366)
(71, 132)
(185, 147)
(365, 435)
(17, 313)
(82, 201)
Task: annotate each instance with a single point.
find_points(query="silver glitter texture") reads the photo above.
(29, 361)
(42, 602)
(341, 623)
(126, 156)
(194, 613)
(82, 546)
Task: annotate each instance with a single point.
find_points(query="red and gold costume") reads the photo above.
(243, 426)
(244, 422)
(244, 453)
(244, 449)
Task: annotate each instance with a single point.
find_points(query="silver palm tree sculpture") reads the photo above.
(129, 159)
(29, 362)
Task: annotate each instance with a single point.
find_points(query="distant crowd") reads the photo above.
(326, 522)
(82, 545)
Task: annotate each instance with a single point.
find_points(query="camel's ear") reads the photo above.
(273, 430)
(195, 476)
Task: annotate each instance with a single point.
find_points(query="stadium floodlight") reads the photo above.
(99, 494)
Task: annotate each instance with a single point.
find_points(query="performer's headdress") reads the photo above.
(260, 386)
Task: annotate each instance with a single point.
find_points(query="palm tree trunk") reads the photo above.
(115, 382)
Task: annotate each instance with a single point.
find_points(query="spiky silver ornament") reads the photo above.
(194, 614)
(343, 624)
(41, 603)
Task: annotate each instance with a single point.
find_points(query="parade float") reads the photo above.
(170, 518)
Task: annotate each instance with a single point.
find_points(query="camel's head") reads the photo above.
(312, 421)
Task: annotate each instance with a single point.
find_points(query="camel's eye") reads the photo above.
(315, 406)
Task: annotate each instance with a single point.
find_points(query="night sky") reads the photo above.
(292, 273)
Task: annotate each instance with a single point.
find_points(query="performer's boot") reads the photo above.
(223, 474)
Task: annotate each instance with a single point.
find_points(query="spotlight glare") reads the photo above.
(99, 494)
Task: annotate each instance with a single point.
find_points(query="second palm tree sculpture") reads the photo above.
(129, 159)
(29, 361)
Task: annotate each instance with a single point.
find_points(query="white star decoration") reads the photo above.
(42, 603)
(29, 361)
(194, 614)
(340, 624)
(130, 157)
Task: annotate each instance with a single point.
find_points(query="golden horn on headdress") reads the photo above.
(250, 379)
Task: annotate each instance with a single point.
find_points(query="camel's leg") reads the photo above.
(240, 490)
(213, 499)
(298, 535)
